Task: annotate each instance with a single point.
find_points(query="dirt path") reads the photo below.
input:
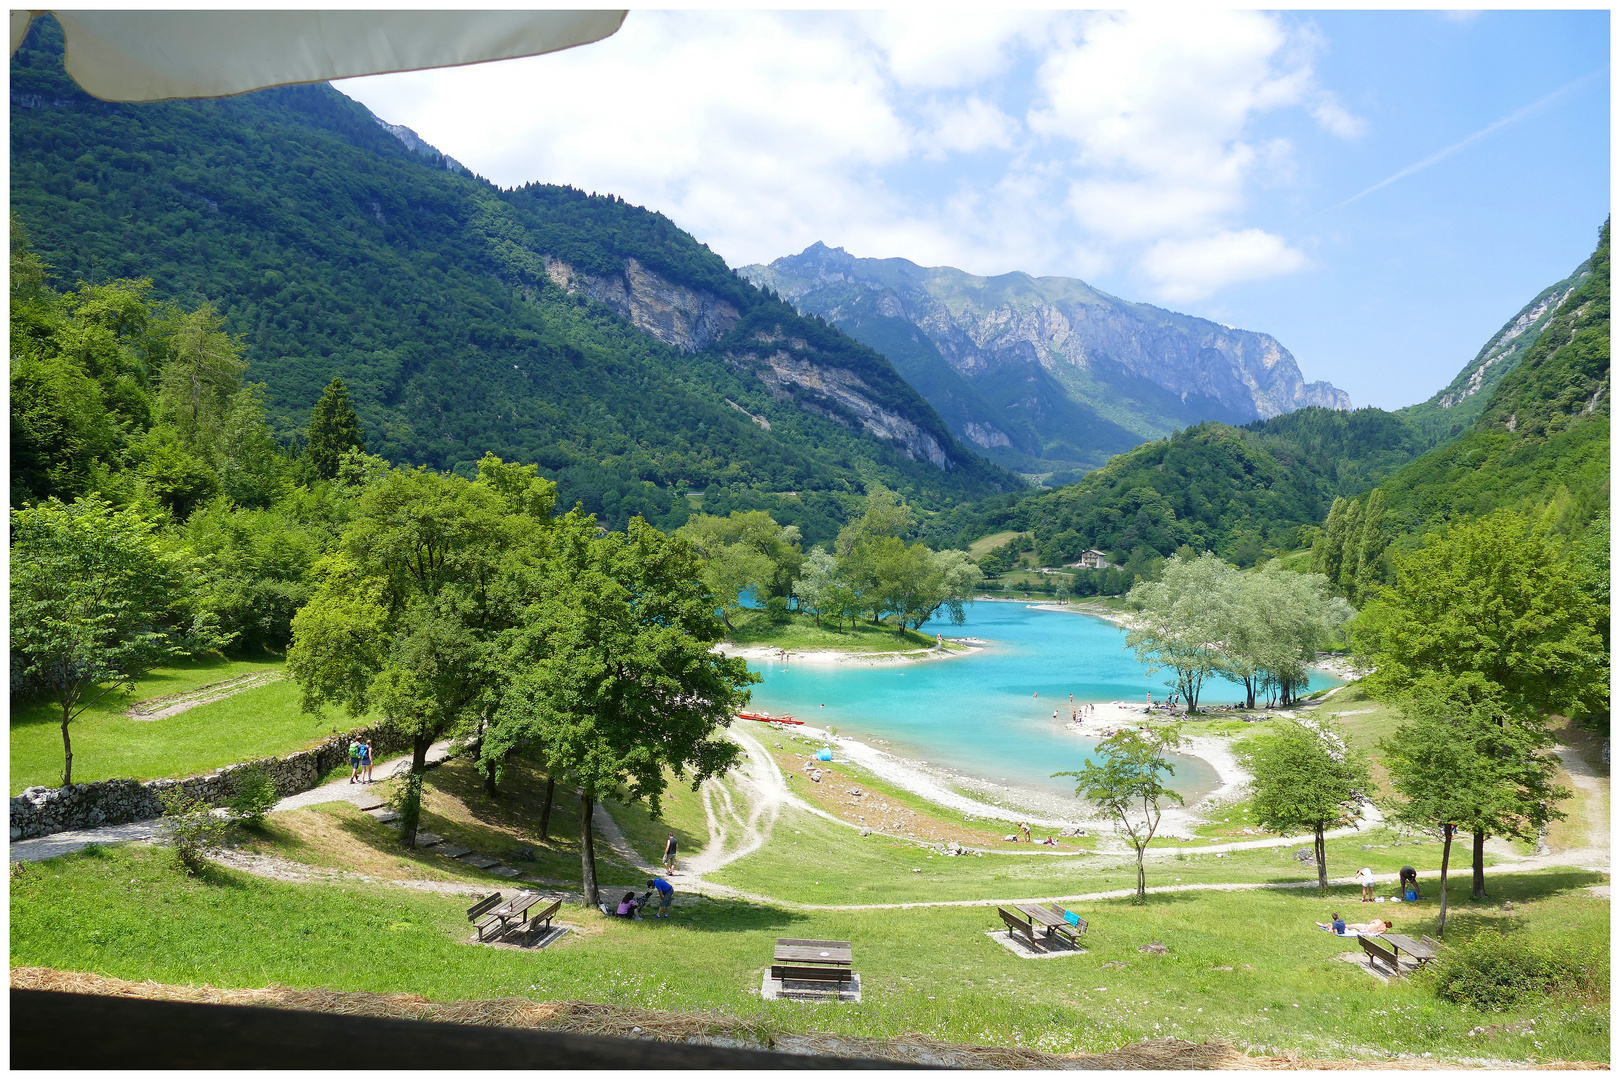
(1594, 791)
(341, 790)
(175, 704)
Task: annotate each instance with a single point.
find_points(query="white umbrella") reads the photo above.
(158, 55)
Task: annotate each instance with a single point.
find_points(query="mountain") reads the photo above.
(1051, 373)
(1453, 410)
(1237, 491)
(543, 323)
(1541, 439)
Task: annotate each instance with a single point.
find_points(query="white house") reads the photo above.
(1091, 560)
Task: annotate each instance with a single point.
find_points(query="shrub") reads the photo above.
(192, 828)
(1493, 972)
(255, 796)
(776, 610)
(407, 799)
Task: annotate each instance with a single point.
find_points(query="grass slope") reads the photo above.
(800, 632)
(107, 744)
(128, 913)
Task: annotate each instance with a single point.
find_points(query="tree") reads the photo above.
(1306, 776)
(1179, 621)
(95, 605)
(333, 428)
(202, 371)
(1461, 759)
(616, 681)
(1127, 787)
(1491, 596)
(815, 587)
(731, 565)
(1269, 625)
(407, 609)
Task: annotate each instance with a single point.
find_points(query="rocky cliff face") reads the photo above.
(674, 314)
(1143, 368)
(795, 372)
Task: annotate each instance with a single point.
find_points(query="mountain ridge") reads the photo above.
(1050, 354)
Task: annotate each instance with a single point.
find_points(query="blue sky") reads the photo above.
(1198, 160)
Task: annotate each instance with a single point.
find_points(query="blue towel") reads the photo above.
(1071, 918)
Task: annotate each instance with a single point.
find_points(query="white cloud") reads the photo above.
(1336, 119)
(1045, 142)
(1193, 269)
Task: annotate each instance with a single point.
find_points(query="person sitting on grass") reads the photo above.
(628, 906)
(666, 896)
(1337, 925)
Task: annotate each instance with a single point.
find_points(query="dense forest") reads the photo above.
(1239, 492)
(330, 249)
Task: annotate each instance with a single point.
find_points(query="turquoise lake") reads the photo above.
(980, 715)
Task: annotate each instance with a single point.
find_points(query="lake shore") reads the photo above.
(984, 799)
(957, 648)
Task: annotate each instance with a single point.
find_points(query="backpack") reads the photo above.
(354, 751)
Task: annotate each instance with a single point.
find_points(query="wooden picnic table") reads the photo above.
(1051, 920)
(1417, 950)
(514, 910)
(809, 951)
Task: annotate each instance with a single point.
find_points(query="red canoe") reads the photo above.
(768, 718)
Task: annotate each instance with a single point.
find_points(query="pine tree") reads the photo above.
(333, 429)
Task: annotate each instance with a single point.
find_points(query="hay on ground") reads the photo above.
(621, 1021)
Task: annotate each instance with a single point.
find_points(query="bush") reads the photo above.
(191, 827)
(1493, 972)
(255, 795)
(776, 610)
(407, 799)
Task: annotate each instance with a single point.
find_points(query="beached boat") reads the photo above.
(768, 718)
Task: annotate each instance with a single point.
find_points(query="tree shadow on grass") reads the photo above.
(719, 914)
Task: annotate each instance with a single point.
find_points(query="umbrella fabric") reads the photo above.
(158, 55)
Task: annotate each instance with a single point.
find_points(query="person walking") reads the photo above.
(354, 761)
(365, 759)
(669, 853)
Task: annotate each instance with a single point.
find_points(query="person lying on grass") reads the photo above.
(1366, 929)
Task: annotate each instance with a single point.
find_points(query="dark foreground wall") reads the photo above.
(51, 1030)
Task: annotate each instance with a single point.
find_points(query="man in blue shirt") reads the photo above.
(666, 896)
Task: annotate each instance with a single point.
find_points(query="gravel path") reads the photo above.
(48, 847)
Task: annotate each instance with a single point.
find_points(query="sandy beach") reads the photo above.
(957, 648)
(987, 800)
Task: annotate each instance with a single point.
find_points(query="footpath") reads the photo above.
(48, 847)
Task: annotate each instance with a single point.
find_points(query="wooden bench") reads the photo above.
(1377, 950)
(479, 914)
(540, 922)
(1019, 924)
(836, 976)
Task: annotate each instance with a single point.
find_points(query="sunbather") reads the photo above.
(1337, 926)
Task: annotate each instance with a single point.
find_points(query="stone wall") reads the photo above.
(40, 811)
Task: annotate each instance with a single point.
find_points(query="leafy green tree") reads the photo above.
(615, 678)
(407, 610)
(192, 829)
(731, 565)
(1127, 786)
(334, 428)
(250, 464)
(885, 515)
(1306, 777)
(1462, 759)
(1179, 620)
(1269, 624)
(814, 588)
(201, 374)
(1495, 597)
(95, 604)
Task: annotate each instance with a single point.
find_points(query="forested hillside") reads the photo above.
(1239, 492)
(543, 324)
(1542, 440)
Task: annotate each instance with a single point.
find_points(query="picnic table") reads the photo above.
(1417, 950)
(513, 911)
(1052, 920)
(809, 960)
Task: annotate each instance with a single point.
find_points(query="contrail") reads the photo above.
(1483, 133)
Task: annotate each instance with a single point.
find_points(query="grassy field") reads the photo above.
(128, 913)
(801, 632)
(986, 544)
(107, 744)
